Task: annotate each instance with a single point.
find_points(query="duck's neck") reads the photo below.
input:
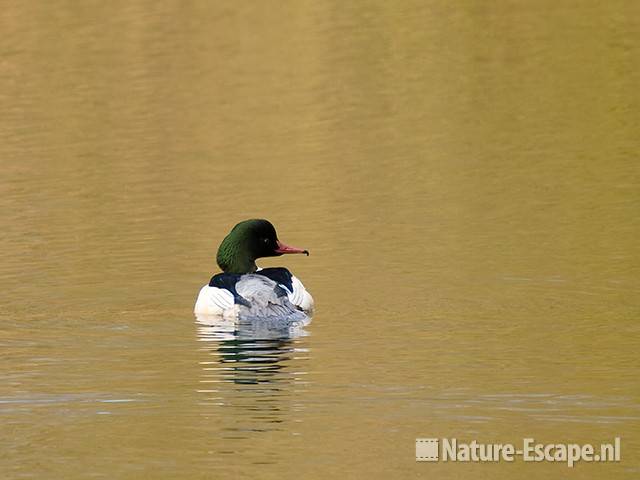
(233, 258)
(240, 266)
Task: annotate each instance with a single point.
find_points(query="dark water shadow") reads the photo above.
(253, 375)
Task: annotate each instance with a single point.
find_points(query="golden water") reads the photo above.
(466, 177)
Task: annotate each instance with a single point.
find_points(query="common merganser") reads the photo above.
(243, 290)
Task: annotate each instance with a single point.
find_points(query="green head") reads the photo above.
(248, 241)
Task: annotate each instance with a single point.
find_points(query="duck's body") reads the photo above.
(243, 290)
(269, 292)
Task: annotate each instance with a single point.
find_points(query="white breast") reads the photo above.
(300, 297)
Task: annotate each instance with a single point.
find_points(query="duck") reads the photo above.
(243, 290)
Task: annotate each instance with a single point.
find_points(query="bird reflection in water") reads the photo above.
(253, 376)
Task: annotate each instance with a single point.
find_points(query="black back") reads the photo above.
(280, 275)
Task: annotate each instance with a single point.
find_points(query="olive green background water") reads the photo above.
(465, 174)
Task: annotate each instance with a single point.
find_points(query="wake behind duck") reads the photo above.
(271, 296)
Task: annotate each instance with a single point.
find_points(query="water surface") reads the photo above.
(465, 176)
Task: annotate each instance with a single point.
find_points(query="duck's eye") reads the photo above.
(265, 240)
